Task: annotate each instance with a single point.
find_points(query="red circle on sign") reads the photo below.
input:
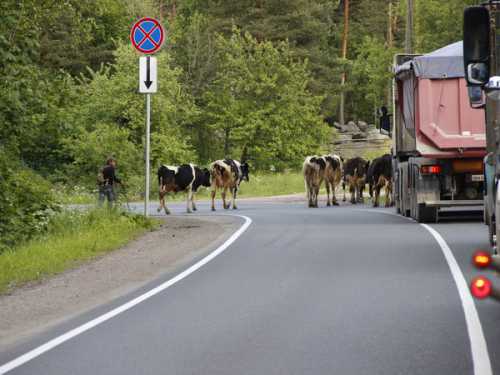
(147, 35)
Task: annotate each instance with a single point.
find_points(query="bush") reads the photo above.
(26, 203)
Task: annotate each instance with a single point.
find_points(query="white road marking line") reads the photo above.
(126, 306)
(479, 348)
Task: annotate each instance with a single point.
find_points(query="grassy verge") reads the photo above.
(264, 185)
(260, 185)
(73, 237)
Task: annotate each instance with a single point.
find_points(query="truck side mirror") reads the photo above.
(477, 73)
(476, 45)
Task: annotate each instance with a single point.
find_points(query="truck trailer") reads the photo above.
(438, 140)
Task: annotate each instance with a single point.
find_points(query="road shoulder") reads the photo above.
(37, 307)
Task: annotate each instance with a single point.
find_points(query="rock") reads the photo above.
(363, 126)
(358, 136)
(343, 129)
(351, 125)
(336, 125)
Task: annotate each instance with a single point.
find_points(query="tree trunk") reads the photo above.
(344, 56)
(226, 142)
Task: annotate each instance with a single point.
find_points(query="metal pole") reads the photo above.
(409, 27)
(148, 131)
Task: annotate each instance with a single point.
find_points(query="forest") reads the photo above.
(259, 80)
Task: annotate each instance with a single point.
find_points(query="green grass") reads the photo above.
(73, 238)
(263, 185)
(268, 184)
(260, 185)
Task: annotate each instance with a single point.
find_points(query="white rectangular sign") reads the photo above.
(148, 82)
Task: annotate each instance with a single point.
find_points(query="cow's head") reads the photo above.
(205, 177)
(245, 172)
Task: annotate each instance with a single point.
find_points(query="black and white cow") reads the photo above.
(313, 170)
(185, 177)
(355, 177)
(227, 175)
(379, 176)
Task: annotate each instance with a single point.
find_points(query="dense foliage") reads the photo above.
(251, 79)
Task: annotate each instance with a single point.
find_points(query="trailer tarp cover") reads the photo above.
(446, 62)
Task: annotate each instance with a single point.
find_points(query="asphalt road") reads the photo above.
(345, 290)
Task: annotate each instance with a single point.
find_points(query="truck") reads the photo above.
(482, 72)
(438, 140)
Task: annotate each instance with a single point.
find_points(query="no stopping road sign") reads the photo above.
(147, 35)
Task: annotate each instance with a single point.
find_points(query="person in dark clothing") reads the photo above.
(385, 120)
(106, 181)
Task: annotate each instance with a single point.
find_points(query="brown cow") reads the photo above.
(333, 176)
(227, 175)
(314, 174)
(355, 177)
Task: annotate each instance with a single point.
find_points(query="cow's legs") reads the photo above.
(352, 190)
(193, 196)
(316, 194)
(212, 196)
(163, 201)
(360, 187)
(308, 194)
(235, 193)
(167, 211)
(388, 192)
(224, 193)
(189, 199)
(343, 188)
(377, 190)
(327, 184)
(334, 196)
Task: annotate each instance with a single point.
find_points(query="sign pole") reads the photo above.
(147, 36)
(148, 136)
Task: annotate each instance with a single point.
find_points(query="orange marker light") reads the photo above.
(481, 259)
(480, 287)
(430, 169)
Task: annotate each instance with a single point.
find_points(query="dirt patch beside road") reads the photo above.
(181, 239)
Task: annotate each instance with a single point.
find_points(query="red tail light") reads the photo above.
(481, 259)
(480, 287)
(430, 169)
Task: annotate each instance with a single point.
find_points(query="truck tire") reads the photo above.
(426, 214)
(492, 233)
(497, 220)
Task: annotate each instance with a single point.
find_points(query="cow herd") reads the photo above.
(226, 175)
(354, 173)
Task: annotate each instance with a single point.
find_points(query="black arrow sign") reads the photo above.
(148, 81)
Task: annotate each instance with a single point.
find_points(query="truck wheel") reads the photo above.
(496, 229)
(491, 232)
(426, 214)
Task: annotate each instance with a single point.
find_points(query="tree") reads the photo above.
(437, 23)
(259, 106)
(107, 118)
